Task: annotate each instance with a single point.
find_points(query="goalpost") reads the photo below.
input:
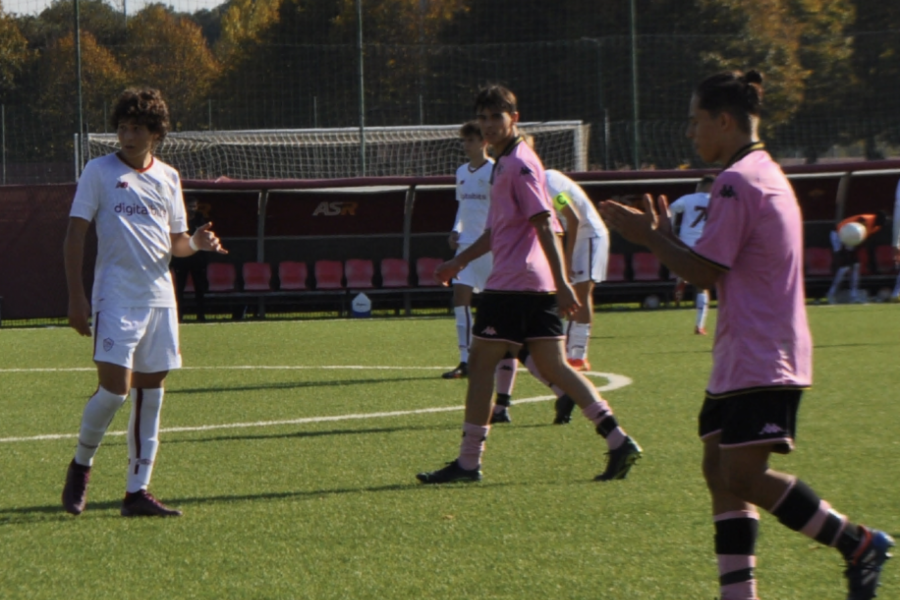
(334, 153)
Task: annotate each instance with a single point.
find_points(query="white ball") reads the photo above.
(651, 301)
(852, 234)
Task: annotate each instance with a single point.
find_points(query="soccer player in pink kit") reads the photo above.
(752, 251)
(137, 205)
(523, 298)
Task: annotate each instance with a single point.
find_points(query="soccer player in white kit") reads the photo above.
(137, 205)
(473, 192)
(693, 210)
(587, 255)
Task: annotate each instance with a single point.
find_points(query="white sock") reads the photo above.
(838, 278)
(98, 414)
(463, 330)
(702, 308)
(577, 342)
(854, 281)
(143, 436)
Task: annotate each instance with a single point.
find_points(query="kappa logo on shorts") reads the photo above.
(771, 429)
(489, 331)
(108, 344)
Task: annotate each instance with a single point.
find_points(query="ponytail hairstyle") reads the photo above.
(739, 94)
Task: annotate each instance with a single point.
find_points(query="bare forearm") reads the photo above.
(181, 245)
(680, 260)
(550, 245)
(73, 256)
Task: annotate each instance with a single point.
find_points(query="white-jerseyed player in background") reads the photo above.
(473, 192)
(587, 255)
(137, 205)
(693, 210)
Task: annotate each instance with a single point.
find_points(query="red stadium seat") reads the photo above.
(359, 272)
(645, 265)
(884, 259)
(221, 277)
(257, 277)
(329, 274)
(817, 262)
(394, 273)
(425, 267)
(189, 284)
(615, 269)
(292, 275)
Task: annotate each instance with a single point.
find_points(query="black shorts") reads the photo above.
(767, 416)
(517, 317)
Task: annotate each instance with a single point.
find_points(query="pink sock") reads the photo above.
(472, 446)
(597, 411)
(600, 411)
(506, 375)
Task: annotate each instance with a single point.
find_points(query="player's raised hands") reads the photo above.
(205, 239)
(637, 225)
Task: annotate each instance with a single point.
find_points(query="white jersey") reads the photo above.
(473, 192)
(693, 209)
(590, 223)
(135, 213)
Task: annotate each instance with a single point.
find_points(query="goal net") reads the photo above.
(335, 153)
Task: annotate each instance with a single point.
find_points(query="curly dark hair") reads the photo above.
(144, 106)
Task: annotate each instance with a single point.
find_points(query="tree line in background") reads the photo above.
(832, 66)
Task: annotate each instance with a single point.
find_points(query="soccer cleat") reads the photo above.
(564, 407)
(452, 472)
(620, 461)
(579, 364)
(864, 567)
(74, 494)
(143, 504)
(462, 370)
(699, 330)
(501, 417)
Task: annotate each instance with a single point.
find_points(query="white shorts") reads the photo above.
(476, 273)
(144, 340)
(589, 259)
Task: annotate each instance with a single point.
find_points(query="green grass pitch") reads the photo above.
(302, 487)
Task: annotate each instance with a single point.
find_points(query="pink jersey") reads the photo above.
(755, 231)
(517, 194)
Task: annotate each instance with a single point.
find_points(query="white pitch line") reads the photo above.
(615, 381)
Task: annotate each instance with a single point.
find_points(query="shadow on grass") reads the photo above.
(33, 514)
(306, 434)
(289, 385)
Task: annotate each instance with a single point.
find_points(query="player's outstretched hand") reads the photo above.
(567, 301)
(79, 315)
(447, 271)
(637, 225)
(205, 239)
